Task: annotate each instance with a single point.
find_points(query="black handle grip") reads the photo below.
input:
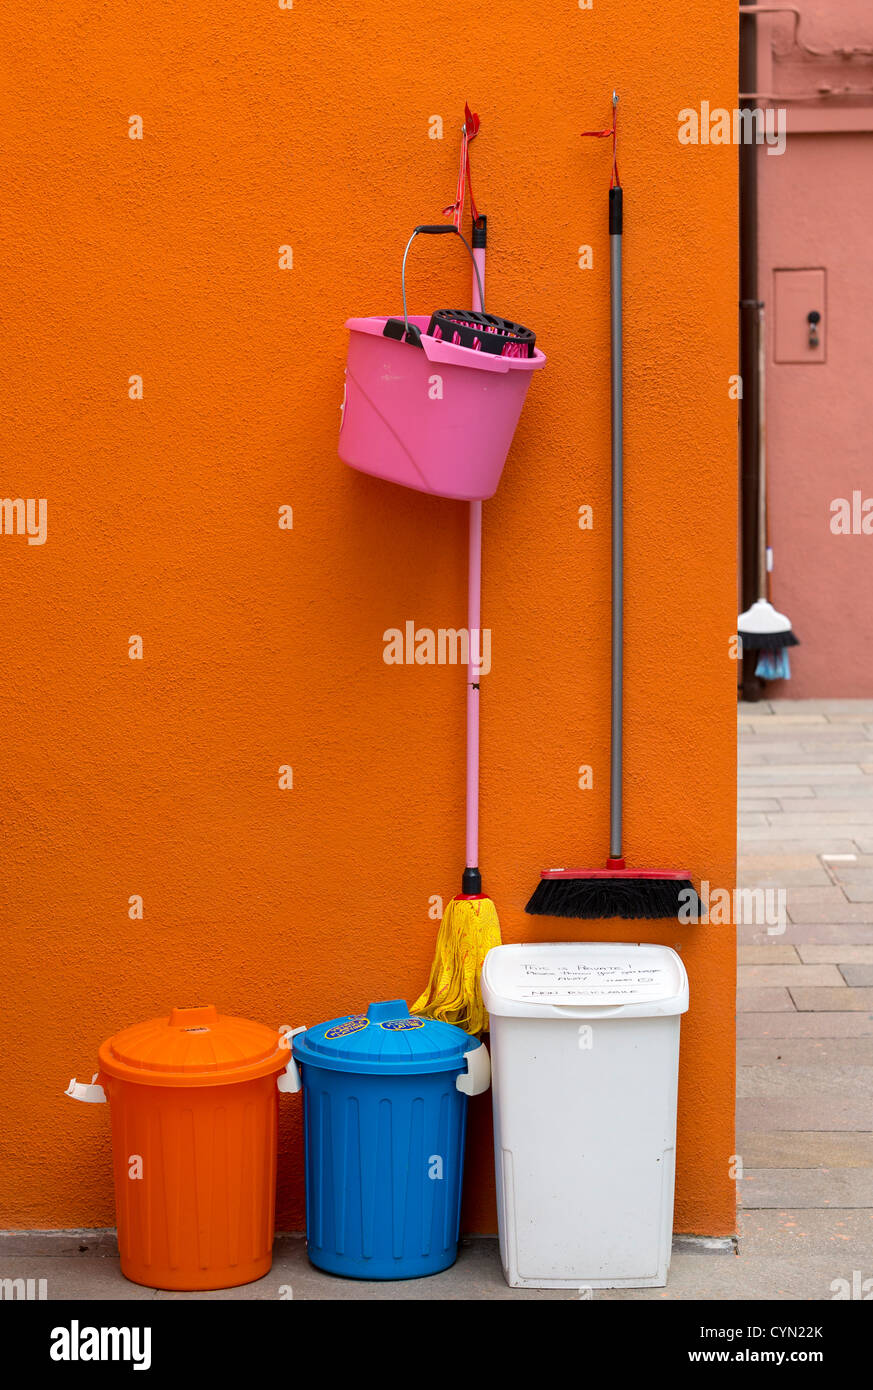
(615, 211)
(439, 229)
(396, 328)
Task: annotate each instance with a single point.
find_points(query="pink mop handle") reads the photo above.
(474, 634)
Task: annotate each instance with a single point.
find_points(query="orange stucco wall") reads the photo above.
(262, 647)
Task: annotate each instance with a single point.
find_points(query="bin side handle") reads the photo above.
(87, 1091)
(477, 1077)
(289, 1079)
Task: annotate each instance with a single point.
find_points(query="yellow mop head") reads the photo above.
(467, 932)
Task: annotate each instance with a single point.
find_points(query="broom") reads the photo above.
(761, 628)
(469, 927)
(615, 891)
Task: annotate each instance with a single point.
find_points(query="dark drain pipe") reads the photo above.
(750, 685)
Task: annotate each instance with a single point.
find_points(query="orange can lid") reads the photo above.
(194, 1047)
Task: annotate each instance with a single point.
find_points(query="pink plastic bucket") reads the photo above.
(439, 418)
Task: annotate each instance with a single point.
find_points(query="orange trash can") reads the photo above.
(194, 1106)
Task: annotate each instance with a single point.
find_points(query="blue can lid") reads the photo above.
(387, 1038)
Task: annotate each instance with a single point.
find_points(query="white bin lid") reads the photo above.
(593, 978)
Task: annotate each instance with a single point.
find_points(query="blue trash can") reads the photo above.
(385, 1106)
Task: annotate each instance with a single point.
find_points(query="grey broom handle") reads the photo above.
(615, 315)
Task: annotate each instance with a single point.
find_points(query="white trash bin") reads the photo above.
(585, 1057)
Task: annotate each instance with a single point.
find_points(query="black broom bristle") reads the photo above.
(768, 641)
(601, 898)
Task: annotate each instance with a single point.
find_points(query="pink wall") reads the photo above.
(816, 210)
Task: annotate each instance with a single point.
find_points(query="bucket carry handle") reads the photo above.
(477, 1077)
(408, 331)
(87, 1091)
(289, 1079)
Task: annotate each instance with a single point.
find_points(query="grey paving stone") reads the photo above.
(773, 843)
(799, 735)
(841, 1000)
(744, 1278)
(824, 753)
(87, 1276)
(812, 933)
(858, 893)
(862, 798)
(757, 934)
(75, 1242)
(846, 709)
(806, 1025)
(857, 818)
(477, 1275)
(753, 805)
(771, 863)
(784, 720)
(806, 895)
(774, 953)
(840, 791)
(764, 1001)
(817, 737)
(855, 751)
(839, 914)
(806, 774)
(789, 1112)
(805, 1149)
(844, 1188)
(839, 952)
(776, 837)
(846, 1236)
(793, 1052)
(857, 975)
(789, 879)
(793, 792)
(773, 974)
(798, 1081)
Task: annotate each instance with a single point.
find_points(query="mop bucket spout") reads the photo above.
(426, 412)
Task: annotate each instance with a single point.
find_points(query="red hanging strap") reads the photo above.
(615, 181)
(456, 209)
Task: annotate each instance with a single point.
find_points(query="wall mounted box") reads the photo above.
(796, 295)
